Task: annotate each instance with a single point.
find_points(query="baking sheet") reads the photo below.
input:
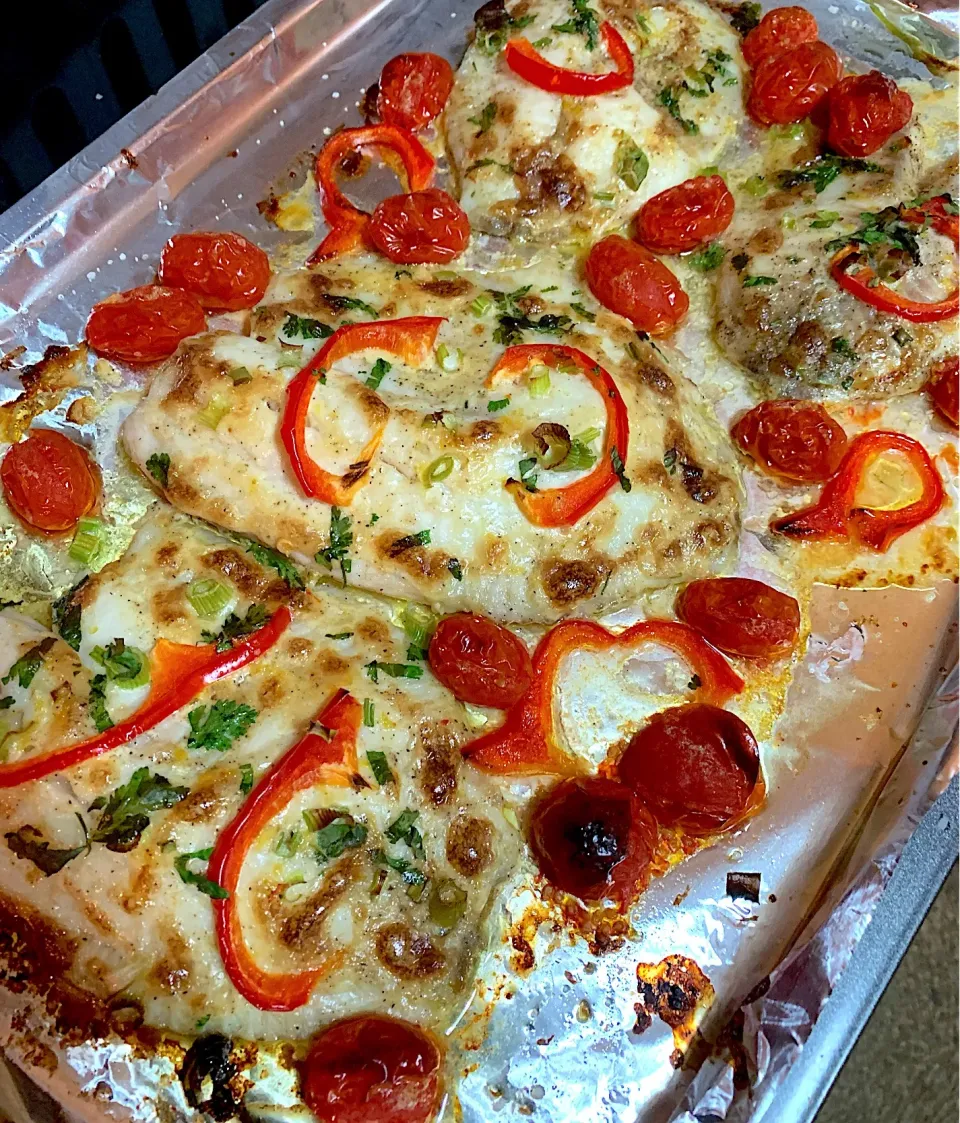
(844, 791)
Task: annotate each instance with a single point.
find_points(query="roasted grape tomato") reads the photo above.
(480, 661)
(794, 440)
(779, 31)
(593, 838)
(694, 766)
(864, 111)
(942, 389)
(224, 271)
(414, 89)
(144, 325)
(48, 481)
(629, 280)
(686, 216)
(372, 1069)
(790, 86)
(424, 227)
(741, 616)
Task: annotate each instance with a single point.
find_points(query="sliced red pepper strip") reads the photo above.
(835, 514)
(313, 760)
(526, 742)
(863, 282)
(410, 339)
(348, 224)
(527, 63)
(178, 673)
(563, 506)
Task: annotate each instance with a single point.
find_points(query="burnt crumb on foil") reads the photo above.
(744, 885)
(209, 1056)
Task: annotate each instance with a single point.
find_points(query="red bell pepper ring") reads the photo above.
(178, 673)
(527, 63)
(563, 506)
(348, 224)
(410, 339)
(526, 743)
(862, 282)
(313, 760)
(836, 516)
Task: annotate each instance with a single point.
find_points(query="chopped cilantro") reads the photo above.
(394, 670)
(841, 346)
(339, 835)
(745, 17)
(584, 312)
(403, 829)
(414, 879)
(669, 98)
(754, 282)
(484, 121)
(528, 472)
(619, 469)
(125, 813)
(380, 768)
(380, 369)
(66, 612)
(821, 171)
(203, 883)
(305, 328)
(497, 404)
(709, 258)
(158, 465)
(24, 670)
(337, 303)
(219, 725)
(29, 843)
(275, 560)
(246, 779)
(341, 539)
(583, 22)
(235, 627)
(408, 542)
(97, 704)
(455, 569)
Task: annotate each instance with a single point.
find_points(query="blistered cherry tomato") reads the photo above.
(864, 112)
(942, 389)
(790, 86)
(629, 280)
(684, 217)
(480, 661)
(48, 481)
(144, 325)
(694, 766)
(794, 440)
(224, 271)
(741, 616)
(422, 227)
(414, 89)
(593, 838)
(779, 31)
(372, 1069)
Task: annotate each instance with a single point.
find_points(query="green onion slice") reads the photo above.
(208, 597)
(88, 541)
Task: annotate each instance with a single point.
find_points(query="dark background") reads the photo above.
(56, 56)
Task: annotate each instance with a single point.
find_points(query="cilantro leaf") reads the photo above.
(381, 770)
(337, 303)
(339, 835)
(746, 17)
(618, 467)
(821, 171)
(754, 282)
(341, 539)
(275, 560)
(709, 258)
(122, 664)
(24, 670)
(66, 612)
(218, 726)
(203, 883)
(394, 670)
(29, 843)
(582, 22)
(305, 328)
(408, 542)
(413, 878)
(669, 98)
(381, 368)
(235, 627)
(484, 121)
(126, 812)
(158, 465)
(246, 779)
(97, 704)
(456, 569)
(403, 829)
(511, 328)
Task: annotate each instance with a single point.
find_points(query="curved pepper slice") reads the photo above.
(527, 63)
(863, 283)
(348, 224)
(563, 506)
(313, 760)
(526, 742)
(835, 514)
(410, 339)
(178, 673)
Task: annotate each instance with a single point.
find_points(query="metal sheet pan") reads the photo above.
(848, 787)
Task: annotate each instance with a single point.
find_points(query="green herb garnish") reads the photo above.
(235, 627)
(275, 560)
(305, 328)
(380, 768)
(218, 726)
(201, 881)
(97, 704)
(125, 814)
(381, 368)
(394, 670)
(24, 670)
(341, 539)
(158, 465)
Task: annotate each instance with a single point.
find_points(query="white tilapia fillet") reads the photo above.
(460, 541)
(120, 924)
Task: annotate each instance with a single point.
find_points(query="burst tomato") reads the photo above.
(419, 228)
(413, 90)
(741, 616)
(694, 766)
(372, 1069)
(790, 86)
(794, 440)
(224, 271)
(48, 481)
(480, 661)
(629, 280)
(864, 111)
(684, 217)
(942, 389)
(144, 325)
(779, 31)
(593, 838)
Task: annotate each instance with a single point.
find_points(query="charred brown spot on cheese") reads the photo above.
(184, 495)
(144, 885)
(169, 605)
(208, 797)
(702, 485)
(546, 179)
(676, 991)
(171, 973)
(568, 580)
(656, 379)
(375, 631)
(406, 551)
(408, 954)
(195, 367)
(438, 750)
(496, 550)
(167, 557)
(328, 664)
(470, 845)
(766, 240)
(806, 350)
(44, 384)
(270, 693)
(319, 286)
(455, 286)
(299, 925)
(298, 649)
(480, 433)
(242, 571)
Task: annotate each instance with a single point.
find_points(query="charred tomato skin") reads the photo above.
(413, 89)
(792, 439)
(593, 838)
(864, 111)
(790, 86)
(943, 390)
(480, 661)
(372, 1069)
(224, 271)
(695, 766)
(422, 227)
(145, 324)
(684, 217)
(49, 481)
(779, 31)
(626, 278)
(741, 616)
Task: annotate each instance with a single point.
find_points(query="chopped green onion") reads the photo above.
(579, 457)
(379, 767)
(604, 196)
(88, 541)
(481, 304)
(369, 716)
(710, 169)
(823, 219)
(475, 717)
(449, 360)
(289, 361)
(632, 164)
(446, 275)
(208, 597)
(239, 375)
(214, 412)
(126, 666)
(755, 185)
(438, 470)
(246, 779)
(588, 435)
(539, 381)
(288, 844)
(313, 818)
(447, 903)
(418, 624)
(788, 132)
